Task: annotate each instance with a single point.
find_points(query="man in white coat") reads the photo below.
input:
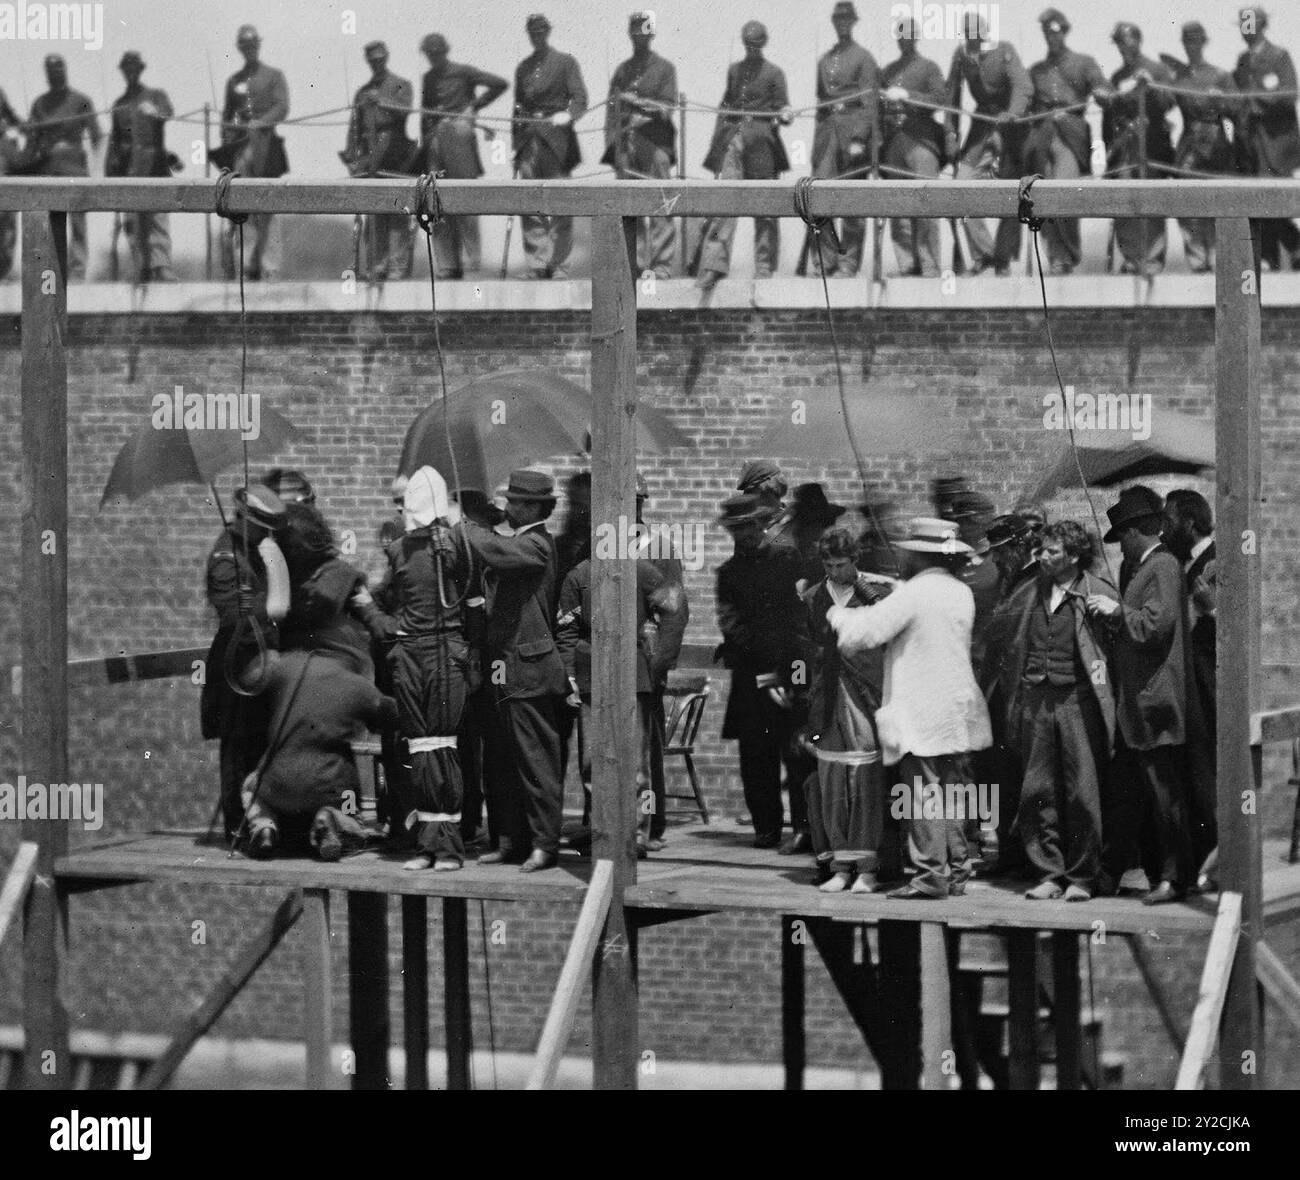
(932, 714)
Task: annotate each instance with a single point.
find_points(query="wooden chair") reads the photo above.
(679, 738)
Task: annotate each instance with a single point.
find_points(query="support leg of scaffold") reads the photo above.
(936, 1009)
(455, 991)
(415, 990)
(1022, 989)
(368, 989)
(318, 1003)
(1066, 1009)
(900, 995)
(793, 1048)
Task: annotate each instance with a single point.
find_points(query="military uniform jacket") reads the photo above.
(58, 144)
(1269, 139)
(1009, 649)
(1120, 117)
(629, 129)
(377, 139)
(262, 95)
(1058, 82)
(454, 89)
(843, 72)
(1148, 654)
(546, 84)
(1203, 145)
(998, 83)
(759, 87)
(519, 581)
(922, 79)
(764, 626)
(135, 142)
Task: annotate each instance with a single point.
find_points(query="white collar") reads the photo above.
(535, 525)
(1200, 547)
(1154, 546)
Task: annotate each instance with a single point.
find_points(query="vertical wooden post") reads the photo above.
(318, 992)
(368, 988)
(1238, 527)
(1022, 996)
(1067, 997)
(793, 1044)
(900, 1001)
(616, 732)
(455, 991)
(415, 990)
(44, 590)
(936, 1007)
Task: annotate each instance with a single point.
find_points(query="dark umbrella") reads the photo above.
(1178, 445)
(883, 424)
(511, 419)
(156, 457)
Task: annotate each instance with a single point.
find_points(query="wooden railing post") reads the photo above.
(616, 732)
(44, 596)
(1238, 524)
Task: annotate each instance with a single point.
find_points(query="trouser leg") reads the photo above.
(76, 245)
(715, 251)
(1133, 234)
(760, 775)
(536, 752)
(936, 843)
(540, 233)
(507, 821)
(1061, 234)
(1198, 241)
(1084, 741)
(655, 753)
(1041, 816)
(976, 163)
(1124, 810)
(659, 234)
(1164, 776)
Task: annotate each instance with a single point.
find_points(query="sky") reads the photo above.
(188, 46)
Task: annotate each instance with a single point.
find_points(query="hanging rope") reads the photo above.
(817, 226)
(247, 622)
(1025, 213)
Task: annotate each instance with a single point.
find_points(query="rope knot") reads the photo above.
(428, 204)
(223, 198)
(1025, 210)
(816, 225)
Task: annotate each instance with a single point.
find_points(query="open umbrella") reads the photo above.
(514, 418)
(883, 424)
(157, 456)
(1178, 445)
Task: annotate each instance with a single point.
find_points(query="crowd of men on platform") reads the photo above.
(899, 121)
(471, 654)
(908, 680)
(971, 693)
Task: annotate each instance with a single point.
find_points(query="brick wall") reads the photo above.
(352, 383)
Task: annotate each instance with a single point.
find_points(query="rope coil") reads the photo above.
(223, 203)
(1025, 204)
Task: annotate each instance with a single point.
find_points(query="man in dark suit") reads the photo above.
(1268, 135)
(549, 96)
(1149, 677)
(1189, 536)
(766, 646)
(746, 147)
(525, 792)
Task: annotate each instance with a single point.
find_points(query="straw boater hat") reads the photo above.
(929, 534)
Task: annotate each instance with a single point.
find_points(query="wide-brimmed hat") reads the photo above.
(1136, 503)
(740, 509)
(534, 486)
(810, 503)
(929, 534)
(966, 504)
(1007, 529)
(755, 472)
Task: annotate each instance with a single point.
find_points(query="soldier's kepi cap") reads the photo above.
(54, 59)
(642, 21)
(844, 8)
(261, 506)
(974, 27)
(1193, 30)
(435, 43)
(1053, 21)
(246, 33)
(375, 49)
(1126, 32)
(754, 32)
(130, 58)
(907, 29)
(1252, 16)
(536, 21)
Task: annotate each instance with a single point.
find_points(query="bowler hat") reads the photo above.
(740, 509)
(810, 504)
(1136, 503)
(1053, 20)
(1007, 529)
(929, 534)
(530, 485)
(261, 506)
